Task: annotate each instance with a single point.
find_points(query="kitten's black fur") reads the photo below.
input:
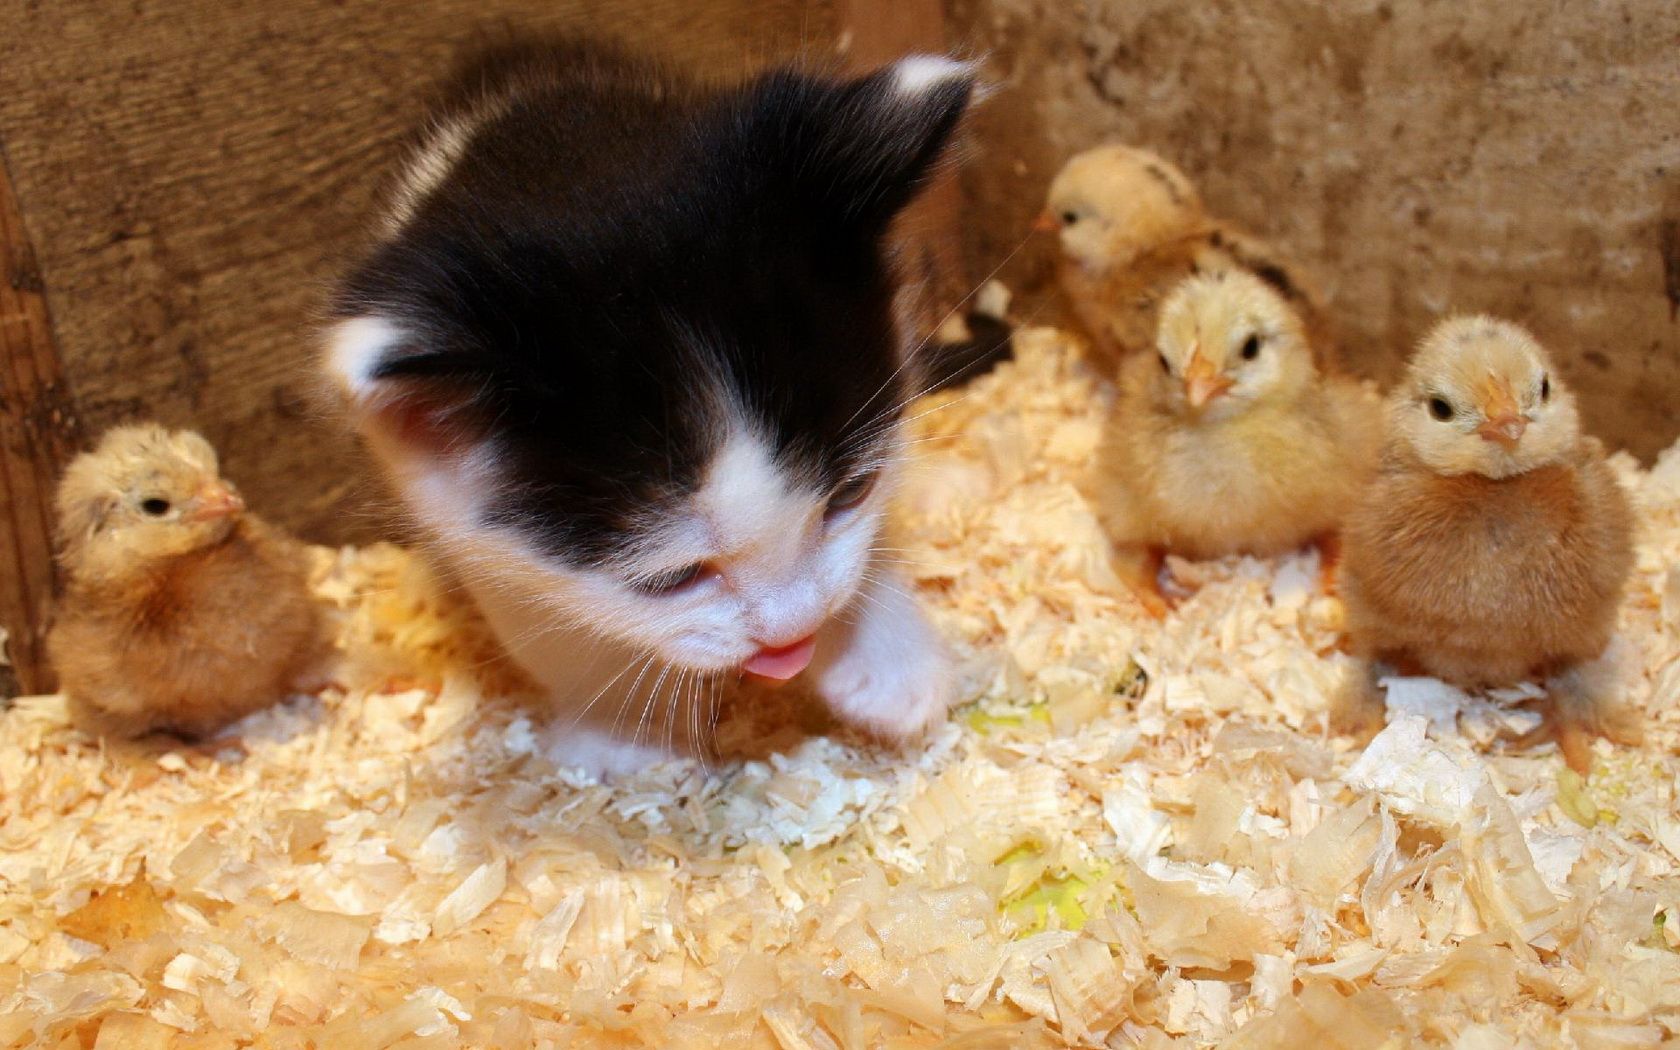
(617, 245)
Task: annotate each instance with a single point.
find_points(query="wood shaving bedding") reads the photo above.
(1132, 834)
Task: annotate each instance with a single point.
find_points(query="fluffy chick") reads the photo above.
(181, 611)
(1494, 545)
(1228, 439)
(1130, 227)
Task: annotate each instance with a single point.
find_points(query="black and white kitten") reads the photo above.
(628, 348)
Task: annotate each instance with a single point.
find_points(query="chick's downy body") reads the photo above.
(181, 612)
(1130, 227)
(1489, 582)
(1229, 440)
(1495, 543)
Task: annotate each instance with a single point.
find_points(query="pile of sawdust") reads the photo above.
(1133, 834)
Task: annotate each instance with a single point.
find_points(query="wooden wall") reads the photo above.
(191, 175)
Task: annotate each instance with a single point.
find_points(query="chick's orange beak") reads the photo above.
(1504, 431)
(1505, 422)
(1203, 382)
(213, 501)
(1046, 223)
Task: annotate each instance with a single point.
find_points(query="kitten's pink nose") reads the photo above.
(781, 662)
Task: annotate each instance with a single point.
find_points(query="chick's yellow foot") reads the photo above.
(1329, 546)
(1573, 726)
(1156, 602)
(1358, 709)
(1143, 578)
(219, 750)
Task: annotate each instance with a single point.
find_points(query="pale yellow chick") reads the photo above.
(1129, 228)
(181, 611)
(1228, 439)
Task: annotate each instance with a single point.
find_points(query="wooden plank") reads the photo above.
(196, 172)
(38, 432)
(873, 33)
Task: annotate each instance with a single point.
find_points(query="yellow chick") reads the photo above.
(181, 611)
(1494, 545)
(1130, 227)
(1228, 439)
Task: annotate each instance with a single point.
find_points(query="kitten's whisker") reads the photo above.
(630, 697)
(942, 406)
(704, 743)
(907, 421)
(578, 717)
(685, 712)
(910, 356)
(584, 710)
(894, 554)
(667, 713)
(691, 718)
(881, 581)
(972, 293)
(649, 707)
(885, 586)
(879, 604)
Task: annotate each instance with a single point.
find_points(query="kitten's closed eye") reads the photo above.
(673, 580)
(851, 493)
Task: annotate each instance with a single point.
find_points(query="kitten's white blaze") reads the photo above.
(917, 74)
(428, 168)
(743, 489)
(763, 526)
(354, 350)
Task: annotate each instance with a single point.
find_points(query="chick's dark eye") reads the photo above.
(671, 581)
(1440, 408)
(1251, 348)
(851, 492)
(1070, 217)
(156, 507)
(1545, 388)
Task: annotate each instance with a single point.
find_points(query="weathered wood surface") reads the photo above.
(38, 432)
(194, 173)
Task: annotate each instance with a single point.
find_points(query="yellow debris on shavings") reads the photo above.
(1131, 834)
(129, 912)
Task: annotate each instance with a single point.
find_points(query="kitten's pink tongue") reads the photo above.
(784, 662)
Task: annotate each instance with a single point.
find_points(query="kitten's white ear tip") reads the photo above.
(355, 348)
(916, 75)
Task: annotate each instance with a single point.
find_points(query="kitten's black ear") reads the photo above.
(860, 149)
(399, 390)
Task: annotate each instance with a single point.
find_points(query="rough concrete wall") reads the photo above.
(1422, 157)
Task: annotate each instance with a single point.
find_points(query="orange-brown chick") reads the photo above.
(181, 611)
(1495, 543)
(1130, 227)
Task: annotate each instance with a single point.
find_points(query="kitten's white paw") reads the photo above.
(887, 671)
(599, 754)
(897, 701)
